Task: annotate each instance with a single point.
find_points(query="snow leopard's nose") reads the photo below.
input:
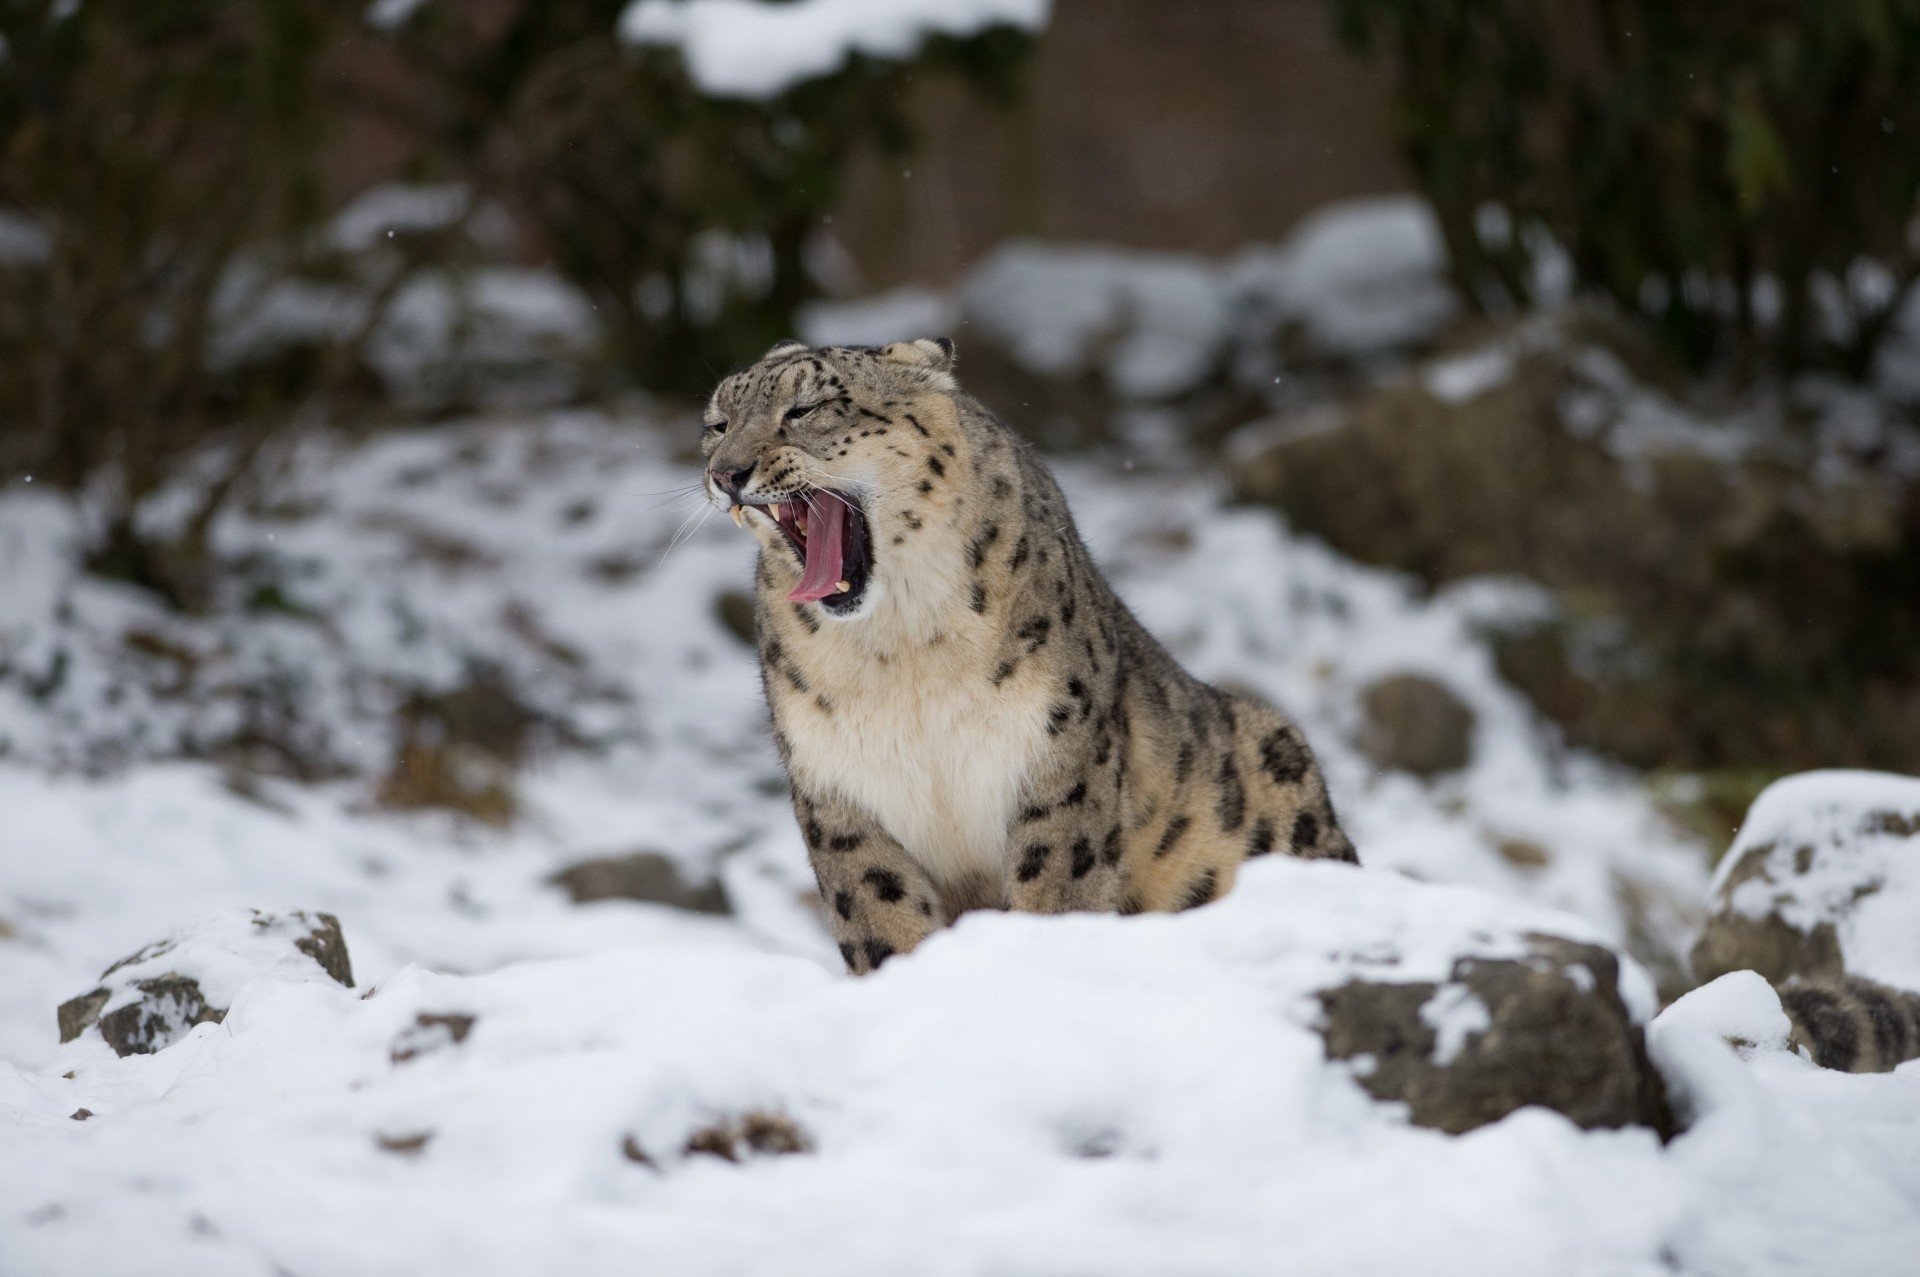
(731, 481)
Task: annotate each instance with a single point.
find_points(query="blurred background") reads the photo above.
(1522, 392)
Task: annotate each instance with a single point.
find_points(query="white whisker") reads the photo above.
(689, 526)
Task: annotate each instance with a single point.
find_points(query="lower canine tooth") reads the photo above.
(841, 587)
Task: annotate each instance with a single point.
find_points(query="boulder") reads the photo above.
(1822, 881)
(1549, 1028)
(1731, 597)
(460, 748)
(1415, 724)
(147, 1001)
(644, 875)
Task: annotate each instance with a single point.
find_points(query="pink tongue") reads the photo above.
(826, 523)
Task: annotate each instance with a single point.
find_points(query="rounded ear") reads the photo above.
(932, 353)
(787, 347)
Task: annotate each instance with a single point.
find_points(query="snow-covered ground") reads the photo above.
(1094, 1095)
(540, 555)
(1083, 1095)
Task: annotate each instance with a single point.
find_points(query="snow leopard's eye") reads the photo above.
(718, 427)
(799, 411)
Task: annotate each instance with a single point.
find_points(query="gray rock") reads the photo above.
(644, 875)
(1701, 594)
(326, 944)
(432, 1031)
(1769, 944)
(150, 999)
(167, 1007)
(75, 1014)
(1823, 881)
(1549, 1029)
(1415, 724)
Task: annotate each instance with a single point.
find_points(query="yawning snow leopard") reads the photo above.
(969, 716)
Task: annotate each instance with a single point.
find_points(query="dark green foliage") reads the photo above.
(685, 218)
(151, 142)
(1682, 151)
(178, 159)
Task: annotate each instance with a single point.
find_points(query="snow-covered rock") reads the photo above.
(1548, 1027)
(1740, 1008)
(1153, 324)
(1358, 278)
(149, 1000)
(1358, 281)
(1824, 878)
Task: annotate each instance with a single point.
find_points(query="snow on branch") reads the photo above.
(749, 48)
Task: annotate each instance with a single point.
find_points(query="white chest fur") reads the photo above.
(927, 745)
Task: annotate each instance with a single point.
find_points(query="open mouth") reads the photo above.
(828, 531)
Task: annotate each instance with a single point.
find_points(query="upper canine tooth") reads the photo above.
(739, 514)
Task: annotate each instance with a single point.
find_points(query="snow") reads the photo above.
(492, 332)
(1840, 847)
(1636, 421)
(1897, 362)
(23, 241)
(1087, 1094)
(1153, 322)
(755, 49)
(1360, 282)
(899, 314)
(1740, 1008)
(382, 210)
(1806, 1171)
(385, 15)
(1467, 376)
(1455, 1014)
(1090, 1094)
(509, 326)
(1361, 275)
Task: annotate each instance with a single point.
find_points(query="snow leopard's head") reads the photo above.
(831, 456)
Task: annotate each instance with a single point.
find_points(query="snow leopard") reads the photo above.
(968, 715)
(1851, 1023)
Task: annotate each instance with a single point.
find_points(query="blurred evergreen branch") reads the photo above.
(1744, 176)
(145, 147)
(687, 218)
(167, 165)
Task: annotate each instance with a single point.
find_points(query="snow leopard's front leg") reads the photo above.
(1065, 845)
(878, 901)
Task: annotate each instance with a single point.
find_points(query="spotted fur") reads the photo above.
(1853, 1024)
(988, 726)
